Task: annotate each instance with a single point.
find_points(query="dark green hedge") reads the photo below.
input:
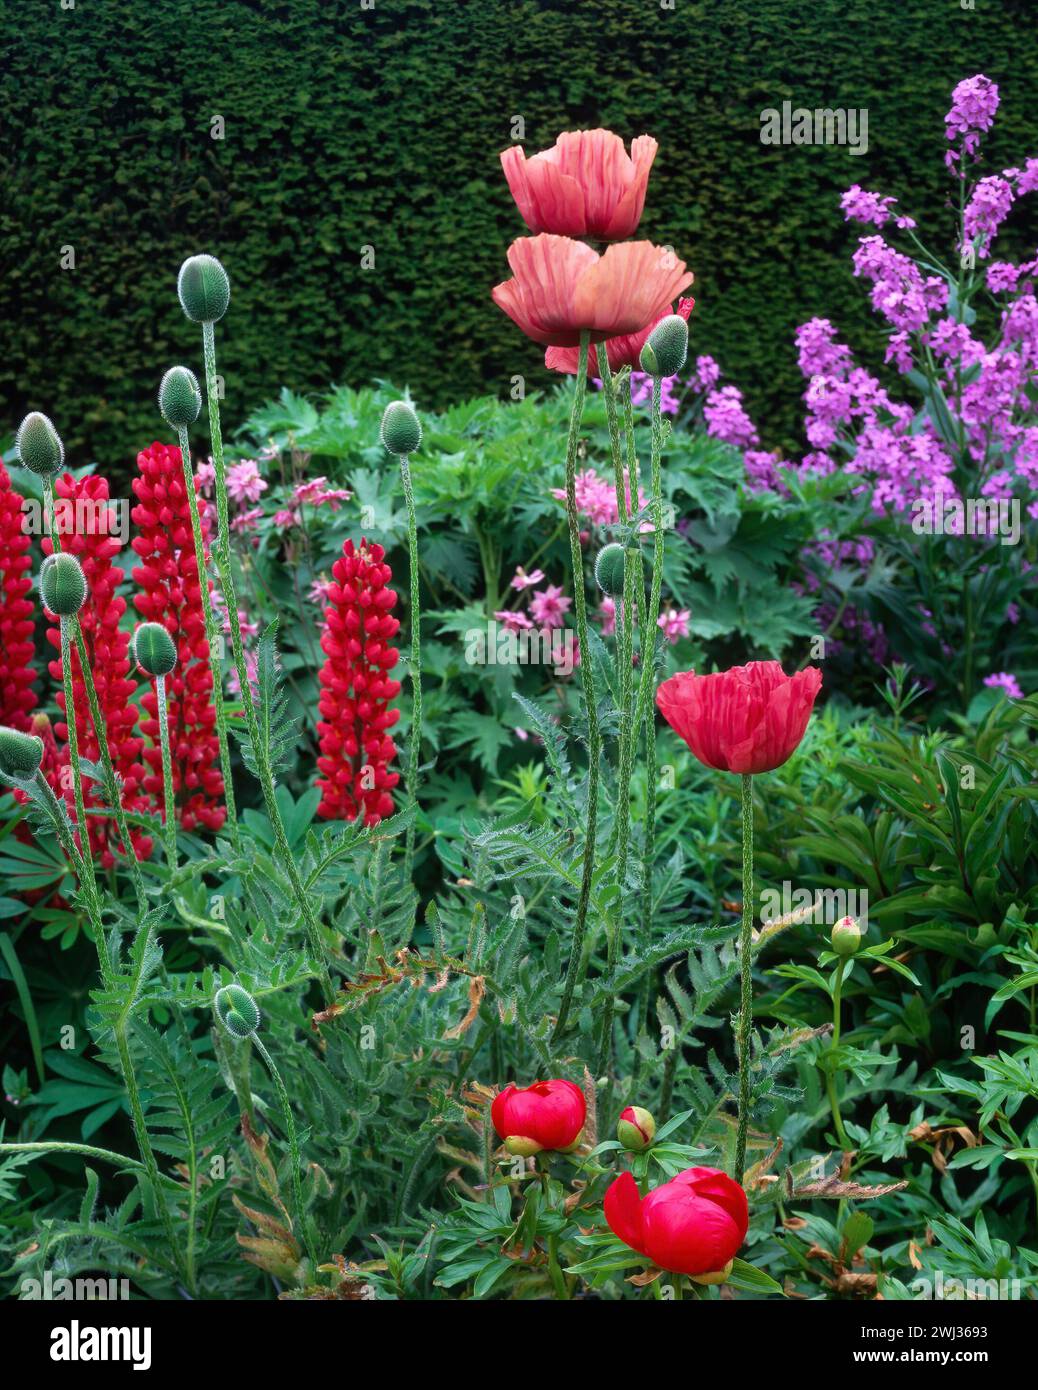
(348, 127)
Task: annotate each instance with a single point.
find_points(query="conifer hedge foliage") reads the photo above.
(347, 128)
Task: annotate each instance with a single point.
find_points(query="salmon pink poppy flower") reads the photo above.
(562, 288)
(693, 1224)
(748, 719)
(546, 1115)
(622, 352)
(585, 185)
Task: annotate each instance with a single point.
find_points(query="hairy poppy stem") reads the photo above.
(645, 711)
(415, 741)
(293, 1147)
(211, 636)
(86, 862)
(745, 974)
(108, 767)
(167, 774)
(222, 551)
(624, 649)
(573, 969)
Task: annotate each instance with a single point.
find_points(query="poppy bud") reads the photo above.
(39, 445)
(546, 1115)
(609, 570)
(666, 348)
(63, 584)
(846, 936)
(237, 1011)
(401, 428)
(20, 754)
(180, 400)
(204, 289)
(635, 1129)
(153, 649)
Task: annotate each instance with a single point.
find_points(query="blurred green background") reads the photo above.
(349, 127)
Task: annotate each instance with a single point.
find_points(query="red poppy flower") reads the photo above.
(693, 1224)
(562, 288)
(748, 719)
(585, 185)
(622, 352)
(546, 1115)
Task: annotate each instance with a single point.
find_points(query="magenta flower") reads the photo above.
(244, 483)
(974, 103)
(521, 580)
(673, 623)
(727, 420)
(549, 606)
(1004, 680)
(513, 620)
(206, 475)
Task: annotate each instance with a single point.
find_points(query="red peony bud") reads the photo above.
(692, 1225)
(636, 1128)
(546, 1115)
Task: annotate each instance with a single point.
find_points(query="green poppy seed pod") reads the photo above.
(237, 1011)
(666, 348)
(180, 400)
(401, 429)
(39, 445)
(204, 289)
(154, 650)
(63, 584)
(609, 570)
(20, 754)
(635, 1129)
(846, 936)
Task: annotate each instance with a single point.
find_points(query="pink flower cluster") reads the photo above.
(596, 497)
(315, 493)
(974, 103)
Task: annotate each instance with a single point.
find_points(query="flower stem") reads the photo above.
(293, 1148)
(644, 708)
(167, 775)
(648, 654)
(48, 514)
(108, 767)
(745, 975)
(832, 1091)
(624, 649)
(576, 957)
(211, 636)
(222, 552)
(415, 741)
(140, 1130)
(88, 879)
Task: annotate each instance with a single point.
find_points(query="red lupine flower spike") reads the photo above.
(17, 697)
(93, 542)
(172, 596)
(356, 749)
